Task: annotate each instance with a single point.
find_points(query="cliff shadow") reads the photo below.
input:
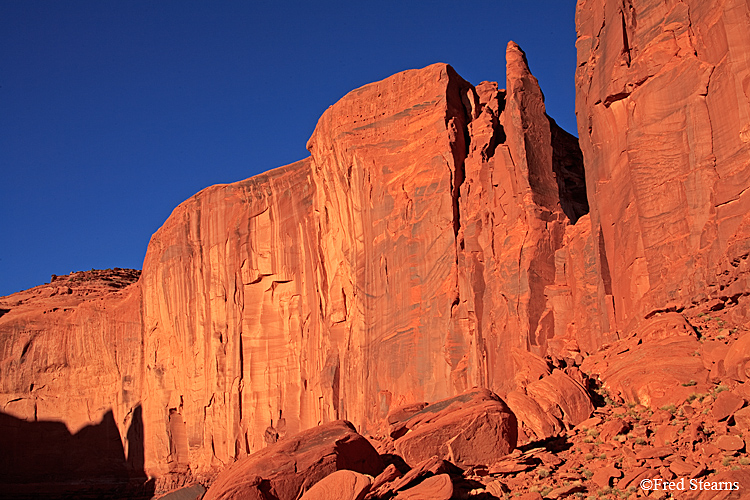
(42, 459)
(567, 163)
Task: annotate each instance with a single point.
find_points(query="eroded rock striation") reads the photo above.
(71, 374)
(663, 105)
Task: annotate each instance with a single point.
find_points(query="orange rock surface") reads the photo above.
(72, 326)
(341, 485)
(472, 428)
(411, 257)
(71, 384)
(663, 105)
(285, 470)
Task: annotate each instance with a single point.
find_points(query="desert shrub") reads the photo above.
(669, 408)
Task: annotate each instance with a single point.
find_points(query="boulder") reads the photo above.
(430, 467)
(742, 419)
(654, 373)
(737, 359)
(291, 466)
(726, 404)
(726, 485)
(547, 406)
(196, 492)
(603, 477)
(341, 485)
(613, 428)
(438, 487)
(473, 428)
(729, 443)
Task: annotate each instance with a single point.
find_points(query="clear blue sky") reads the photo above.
(113, 112)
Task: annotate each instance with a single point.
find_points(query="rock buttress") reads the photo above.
(71, 380)
(404, 261)
(235, 347)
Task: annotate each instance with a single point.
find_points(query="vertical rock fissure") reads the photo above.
(567, 164)
(457, 119)
(625, 42)
(604, 265)
(710, 134)
(459, 177)
(459, 133)
(242, 374)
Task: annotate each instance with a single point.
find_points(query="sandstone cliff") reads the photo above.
(414, 255)
(663, 104)
(71, 365)
(405, 261)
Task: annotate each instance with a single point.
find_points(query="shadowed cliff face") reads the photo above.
(70, 388)
(43, 459)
